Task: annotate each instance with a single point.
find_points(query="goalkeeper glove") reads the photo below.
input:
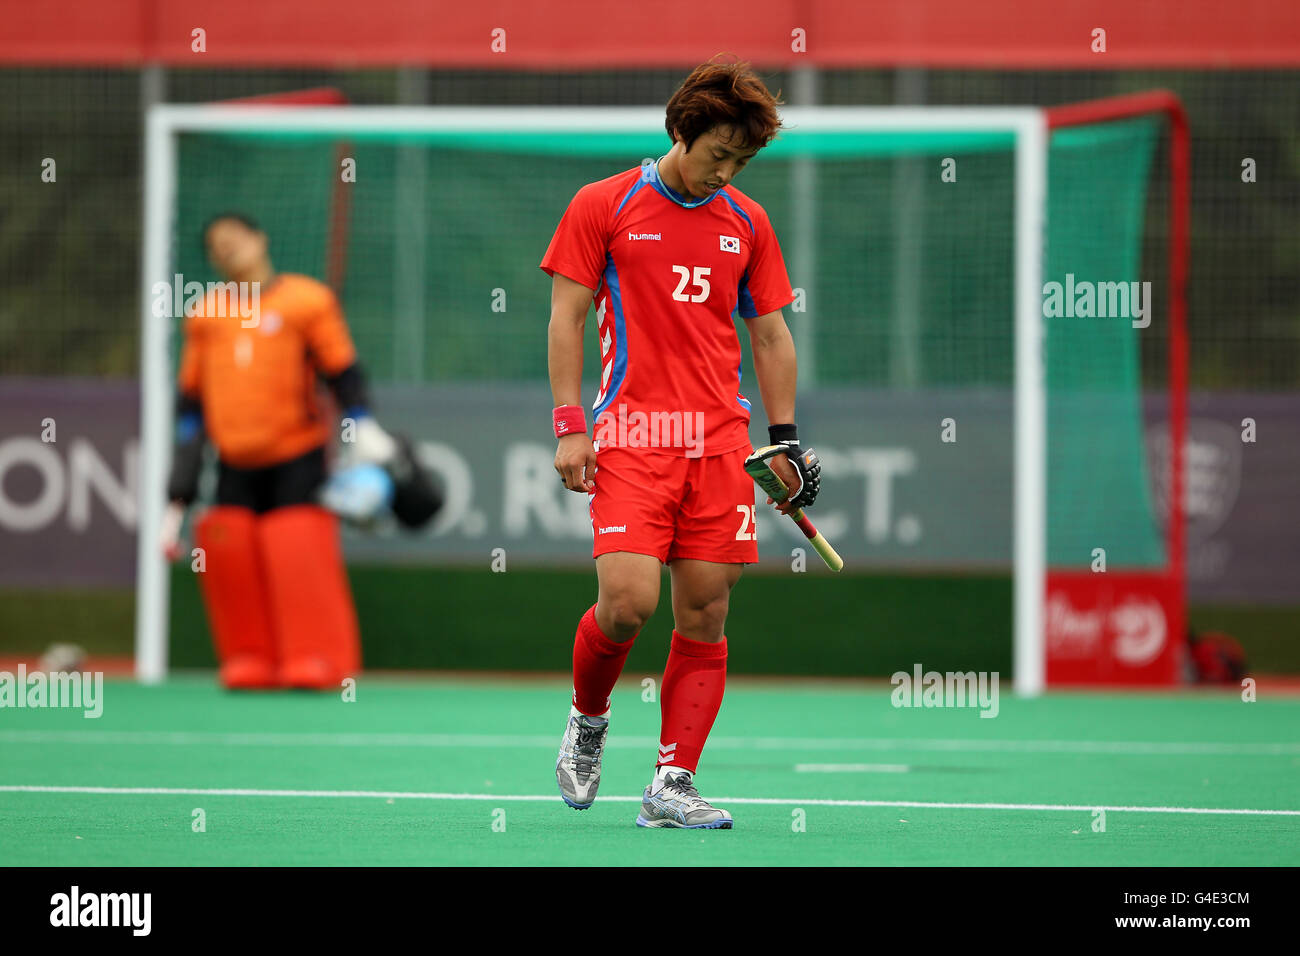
(370, 444)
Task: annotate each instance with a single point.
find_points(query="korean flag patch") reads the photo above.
(729, 244)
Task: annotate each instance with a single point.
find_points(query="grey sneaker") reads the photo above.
(678, 804)
(577, 768)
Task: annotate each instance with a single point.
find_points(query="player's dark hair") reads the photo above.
(727, 93)
(248, 222)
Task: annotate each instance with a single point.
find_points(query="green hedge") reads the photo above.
(806, 624)
(779, 623)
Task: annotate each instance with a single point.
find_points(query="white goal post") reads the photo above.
(1027, 125)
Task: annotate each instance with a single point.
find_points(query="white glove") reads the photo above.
(370, 444)
(169, 539)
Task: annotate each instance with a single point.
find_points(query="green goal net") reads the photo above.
(922, 245)
(900, 242)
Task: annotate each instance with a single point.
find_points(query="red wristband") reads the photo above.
(569, 420)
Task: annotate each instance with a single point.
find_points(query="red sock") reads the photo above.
(597, 662)
(689, 699)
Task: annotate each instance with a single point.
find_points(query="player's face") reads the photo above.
(234, 249)
(713, 161)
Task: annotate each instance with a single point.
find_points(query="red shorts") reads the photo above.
(671, 506)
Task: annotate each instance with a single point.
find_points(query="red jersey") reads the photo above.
(668, 272)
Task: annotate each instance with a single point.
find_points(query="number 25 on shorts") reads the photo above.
(748, 528)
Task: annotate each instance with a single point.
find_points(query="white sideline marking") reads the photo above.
(551, 798)
(851, 768)
(261, 739)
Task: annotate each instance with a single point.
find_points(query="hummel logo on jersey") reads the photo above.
(612, 528)
(729, 244)
(634, 236)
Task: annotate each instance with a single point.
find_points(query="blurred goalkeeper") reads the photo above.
(274, 584)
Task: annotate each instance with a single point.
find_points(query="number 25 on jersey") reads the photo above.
(700, 280)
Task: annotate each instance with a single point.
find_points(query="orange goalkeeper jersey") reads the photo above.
(257, 385)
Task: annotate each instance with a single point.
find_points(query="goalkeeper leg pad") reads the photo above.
(234, 592)
(311, 602)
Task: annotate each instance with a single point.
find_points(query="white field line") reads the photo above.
(551, 798)
(851, 768)
(261, 739)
